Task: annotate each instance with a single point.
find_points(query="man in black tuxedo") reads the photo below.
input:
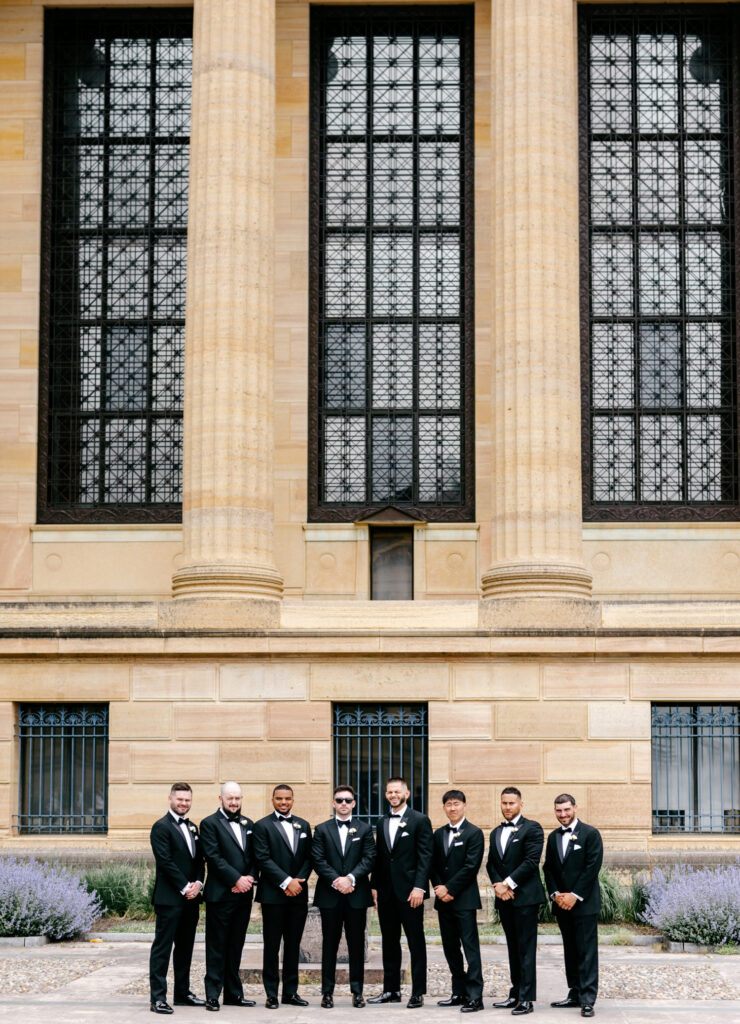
(178, 881)
(343, 856)
(572, 862)
(458, 852)
(514, 869)
(400, 882)
(226, 840)
(282, 851)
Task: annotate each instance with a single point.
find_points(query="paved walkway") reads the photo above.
(107, 982)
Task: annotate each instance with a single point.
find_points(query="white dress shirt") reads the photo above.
(287, 827)
(394, 823)
(506, 834)
(565, 838)
(185, 831)
(343, 832)
(235, 828)
(451, 829)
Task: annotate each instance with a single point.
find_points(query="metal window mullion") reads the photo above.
(682, 239)
(637, 347)
(369, 259)
(104, 240)
(415, 264)
(152, 236)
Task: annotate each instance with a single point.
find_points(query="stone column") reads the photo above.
(228, 463)
(535, 387)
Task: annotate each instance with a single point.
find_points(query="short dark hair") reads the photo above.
(565, 798)
(181, 787)
(396, 778)
(511, 789)
(345, 789)
(283, 785)
(454, 794)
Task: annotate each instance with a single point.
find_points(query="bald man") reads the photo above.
(226, 840)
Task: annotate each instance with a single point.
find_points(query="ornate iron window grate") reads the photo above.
(658, 170)
(117, 126)
(391, 263)
(375, 741)
(696, 768)
(63, 785)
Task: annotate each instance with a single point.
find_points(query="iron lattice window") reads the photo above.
(696, 768)
(63, 784)
(658, 130)
(373, 742)
(117, 126)
(391, 263)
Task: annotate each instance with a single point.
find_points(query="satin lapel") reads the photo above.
(182, 837)
(568, 848)
(559, 846)
(226, 825)
(387, 831)
(497, 837)
(334, 833)
(281, 832)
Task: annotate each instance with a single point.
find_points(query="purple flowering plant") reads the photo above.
(44, 899)
(699, 905)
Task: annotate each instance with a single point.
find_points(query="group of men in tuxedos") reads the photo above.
(277, 854)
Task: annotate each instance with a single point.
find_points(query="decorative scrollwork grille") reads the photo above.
(375, 741)
(658, 131)
(115, 222)
(63, 751)
(696, 768)
(391, 274)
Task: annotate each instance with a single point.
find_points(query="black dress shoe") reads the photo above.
(386, 997)
(570, 1001)
(327, 1001)
(271, 1003)
(472, 1006)
(190, 1000)
(160, 1006)
(587, 1010)
(524, 1007)
(241, 1001)
(212, 1004)
(452, 1001)
(358, 1000)
(415, 1002)
(506, 1004)
(294, 1000)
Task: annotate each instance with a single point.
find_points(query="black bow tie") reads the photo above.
(183, 821)
(342, 824)
(508, 824)
(563, 830)
(283, 817)
(233, 816)
(452, 828)
(396, 815)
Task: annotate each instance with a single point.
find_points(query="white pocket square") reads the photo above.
(577, 847)
(458, 844)
(356, 840)
(249, 831)
(302, 835)
(405, 835)
(514, 841)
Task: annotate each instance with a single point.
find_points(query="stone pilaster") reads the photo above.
(536, 527)
(228, 470)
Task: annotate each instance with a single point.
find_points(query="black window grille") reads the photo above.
(373, 742)
(117, 126)
(391, 262)
(63, 750)
(696, 768)
(658, 164)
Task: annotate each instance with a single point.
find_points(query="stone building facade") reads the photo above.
(540, 640)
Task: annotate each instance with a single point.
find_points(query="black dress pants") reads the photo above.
(581, 951)
(459, 931)
(175, 925)
(353, 920)
(520, 929)
(282, 922)
(393, 915)
(226, 927)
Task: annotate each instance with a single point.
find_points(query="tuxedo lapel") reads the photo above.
(230, 832)
(387, 831)
(334, 833)
(281, 832)
(559, 846)
(183, 840)
(497, 837)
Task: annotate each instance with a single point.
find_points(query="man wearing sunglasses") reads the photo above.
(343, 854)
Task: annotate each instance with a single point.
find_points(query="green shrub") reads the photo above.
(125, 890)
(612, 898)
(635, 899)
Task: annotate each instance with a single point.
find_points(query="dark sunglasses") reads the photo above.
(343, 799)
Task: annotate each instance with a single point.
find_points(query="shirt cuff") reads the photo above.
(351, 878)
(579, 898)
(183, 891)
(285, 883)
(554, 894)
(510, 882)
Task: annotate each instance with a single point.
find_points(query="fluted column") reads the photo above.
(227, 471)
(536, 527)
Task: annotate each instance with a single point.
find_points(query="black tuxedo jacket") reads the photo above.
(458, 868)
(276, 861)
(329, 863)
(407, 866)
(226, 861)
(578, 872)
(175, 868)
(520, 861)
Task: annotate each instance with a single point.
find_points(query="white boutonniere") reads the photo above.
(514, 828)
(573, 838)
(352, 831)
(402, 824)
(296, 826)
(242, 821)
(193, 829)
(456, 835)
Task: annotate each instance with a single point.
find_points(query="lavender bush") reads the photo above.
(43, 899)
(695, 905)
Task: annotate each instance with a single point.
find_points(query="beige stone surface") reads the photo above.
(460, 720)
(640, 761)
(549, 720)
(265, 762)
(580, 679)
(496, 762)
(7, 721)
(5, 818)
(571, 763)
(64, 680)
(620, 807)
(299, 720)
(331, 567)
(262, 679)
(481, 802)
(513, 680)
(379, 680)
(160, 762)
(233, 721)
(438, 754)
(450, 567)
(119, 762)
(619, 720)
(15, 558)
(102, 563)
(698, 680)
(140, 720)
(320, 762)
(138, 807)
(180, 680)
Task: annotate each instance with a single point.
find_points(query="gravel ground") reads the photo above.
(662, 981)
(21, 974)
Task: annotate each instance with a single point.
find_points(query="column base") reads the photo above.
(539, 613)
(227, 580)
(219, 614)
(537, 579)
